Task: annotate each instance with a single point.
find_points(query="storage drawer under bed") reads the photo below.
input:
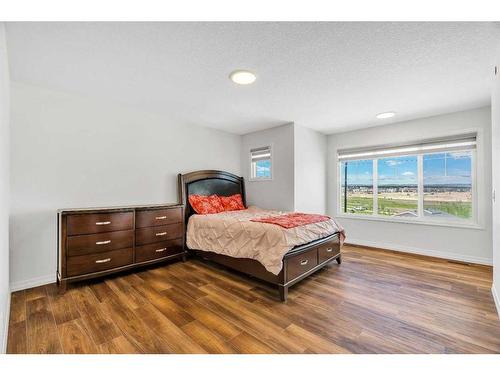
(328, 250)
(301, 263)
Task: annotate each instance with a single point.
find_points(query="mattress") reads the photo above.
(232, 233)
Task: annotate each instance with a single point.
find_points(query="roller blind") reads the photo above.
(261, 153)
(455, 143)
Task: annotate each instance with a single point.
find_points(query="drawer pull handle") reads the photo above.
(304, 262)
(160, 217)
(161, 234)
(329, 250)
(103, 223)
(103, 242)
(161, 250)
(103, 260)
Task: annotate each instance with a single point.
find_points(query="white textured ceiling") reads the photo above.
(327, 76)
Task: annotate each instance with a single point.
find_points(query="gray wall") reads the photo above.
(277, 193)
(495, 113)
(4, 191)
(310, 170)
(472, 245)
(70, 151)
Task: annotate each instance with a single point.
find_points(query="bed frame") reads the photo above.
(298, 263)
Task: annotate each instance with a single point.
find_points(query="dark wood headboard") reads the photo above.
(208, 182)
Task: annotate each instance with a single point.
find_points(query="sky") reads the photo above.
(263, 168)
(455, 168)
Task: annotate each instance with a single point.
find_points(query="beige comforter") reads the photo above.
(232, 233)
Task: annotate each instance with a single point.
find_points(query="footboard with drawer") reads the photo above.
(99, 241)
(302, 261)
(298, 263)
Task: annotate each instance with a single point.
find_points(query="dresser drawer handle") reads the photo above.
(103, 223)
(161, 234)
(161, 250)
(103, 260)
(160, 217)
(103, 242)
(304, 262)
(329, 250)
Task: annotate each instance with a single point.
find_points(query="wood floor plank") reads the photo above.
(75, 338)
(165, 305)
(207, 339)
(134, 329)
(99, 323)
(17, 340)
(18, 307)
(34, 293)
(376, 301)
(171, 335)
(63, 307)
(207, 317)
(42, 334)
(236, 311)
(247, 344)
(119, 345)
(313, 342)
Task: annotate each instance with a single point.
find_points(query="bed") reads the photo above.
(295, 264)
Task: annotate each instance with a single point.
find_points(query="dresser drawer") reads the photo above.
(98, 223)
(153, 218)
(328, 250)
(96, 243)
(145, 236)
(299, 264)
(90, 263)
(158, 250)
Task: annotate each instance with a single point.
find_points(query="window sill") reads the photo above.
(260, 179)
(414, 221)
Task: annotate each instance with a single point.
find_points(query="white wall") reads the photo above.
(70, 151)
(277, 193)
(310, 170)
(455, 243)
(495, 114)
(4, 191)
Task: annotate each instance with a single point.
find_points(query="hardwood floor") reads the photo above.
(375, 302)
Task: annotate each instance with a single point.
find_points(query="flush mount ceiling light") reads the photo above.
(242, 77)
(386, 115)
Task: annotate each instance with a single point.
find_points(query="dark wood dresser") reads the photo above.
(93, 242)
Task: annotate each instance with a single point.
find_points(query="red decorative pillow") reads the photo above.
(232, 203)
(203, 204)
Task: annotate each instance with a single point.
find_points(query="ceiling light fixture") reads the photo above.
(242, 77)
(386, 115)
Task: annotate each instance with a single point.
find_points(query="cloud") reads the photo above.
(460, 154)
(392, 163)
(408, 173)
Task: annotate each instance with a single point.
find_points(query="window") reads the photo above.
(429, 181)
(397, 186)
(357, 187)
(448, 184)
(260, 163)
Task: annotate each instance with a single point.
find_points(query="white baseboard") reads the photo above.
(496, 298)
(414, 250)
(5, 324)
(31, 283)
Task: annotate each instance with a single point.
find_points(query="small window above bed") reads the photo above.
(261, 163)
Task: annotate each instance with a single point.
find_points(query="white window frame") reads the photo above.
(251, 174)
(421, 218)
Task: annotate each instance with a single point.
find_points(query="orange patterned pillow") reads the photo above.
(203, 204)
(232, 203)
